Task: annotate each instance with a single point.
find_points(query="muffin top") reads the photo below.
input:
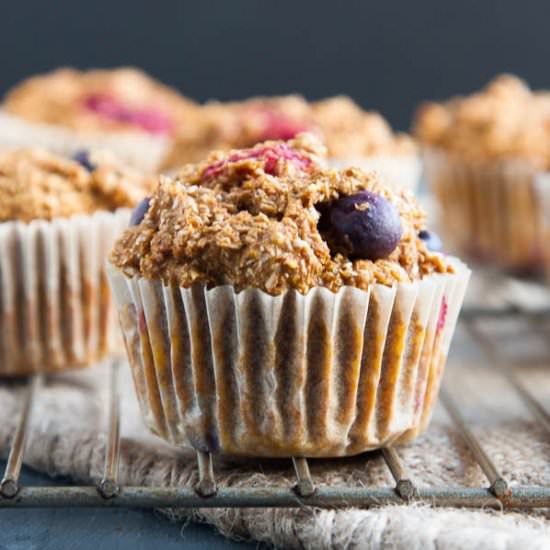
(346, 129)
(506, 119)
(274, 217)
(121, 100)
(36, 184)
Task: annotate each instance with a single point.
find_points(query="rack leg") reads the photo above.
(9, 486)
(305, 486)
(108, 487)
(206, 487)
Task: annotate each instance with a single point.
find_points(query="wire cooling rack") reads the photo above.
(110, 493)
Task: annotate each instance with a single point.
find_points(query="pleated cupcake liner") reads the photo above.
(489, 209)
(144, 152)
(542, 189)
(318, 375)
(55, 303)
(398, 171)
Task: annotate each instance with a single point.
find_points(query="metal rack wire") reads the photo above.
(109, 492)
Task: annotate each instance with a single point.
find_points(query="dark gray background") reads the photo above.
(388, 55)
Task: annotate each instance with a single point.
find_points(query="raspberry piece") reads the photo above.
(442, 314)
(149, 119)
(270, 154)
(278, 125)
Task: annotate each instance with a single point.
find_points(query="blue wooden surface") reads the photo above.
(99, 529)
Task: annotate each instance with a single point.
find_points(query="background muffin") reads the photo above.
(121, 109)
(352, 136)
(274, 307)
(58, 218)
(482, 153)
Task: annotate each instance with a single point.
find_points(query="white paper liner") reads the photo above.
(325, 374)
(397, 171)
(142, 151)
(488, 210)
(542, 189)
(55, 304)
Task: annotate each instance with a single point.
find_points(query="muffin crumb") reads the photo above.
(347, 130)
(251, 217)
(505, 120)
(99, 100)
(37, 184)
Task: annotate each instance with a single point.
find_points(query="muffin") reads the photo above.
(119, 109)
(275, 307)
(481, 155)
(542, 191)
(352, 136)
(58, 218)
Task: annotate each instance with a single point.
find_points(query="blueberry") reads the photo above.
(365, 226)
(139, 212)
(83, 158)
(432, 241)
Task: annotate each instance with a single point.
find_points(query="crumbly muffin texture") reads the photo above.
(505, 120)
(122, 100)
(37, 184)
(346, 129)
(251, 218)
(237, 125)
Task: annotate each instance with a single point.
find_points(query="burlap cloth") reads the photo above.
(68, 438)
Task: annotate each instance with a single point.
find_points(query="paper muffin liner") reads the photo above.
(489, 210)
(317, 375)
(142, 151)
(542, 189)
(55, 303)
(397, 171)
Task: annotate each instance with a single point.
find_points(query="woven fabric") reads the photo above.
(68, 438)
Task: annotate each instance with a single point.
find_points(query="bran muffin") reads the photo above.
(58, 218)
(481, 154)
(352, 136)
(120, 109)
(272, 306)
